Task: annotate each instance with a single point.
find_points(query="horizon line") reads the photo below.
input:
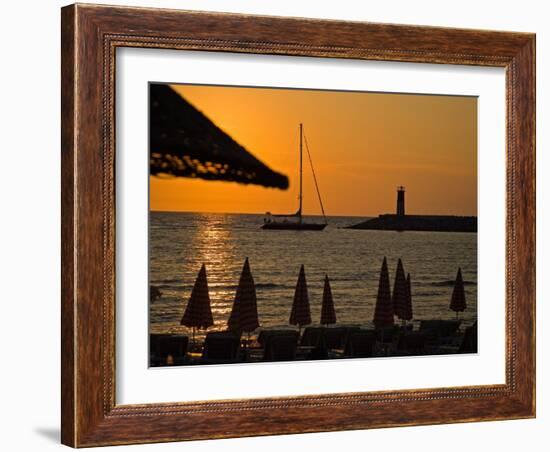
(310, 215)
(253, 213)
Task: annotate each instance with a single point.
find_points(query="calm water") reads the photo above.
(181, 242)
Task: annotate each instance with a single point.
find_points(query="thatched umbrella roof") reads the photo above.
(185, 143)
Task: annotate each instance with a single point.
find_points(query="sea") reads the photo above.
(180, 242)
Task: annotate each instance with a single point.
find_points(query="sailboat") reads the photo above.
(295, 221)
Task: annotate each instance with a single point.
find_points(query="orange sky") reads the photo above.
(363, 146)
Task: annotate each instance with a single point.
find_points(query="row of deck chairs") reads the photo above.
(317, 342)
(433, 337)
(322, 343)
(442, 336)
(220, 347)
(355, 342)
(431, 333)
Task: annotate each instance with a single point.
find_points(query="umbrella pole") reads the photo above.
(246, 345)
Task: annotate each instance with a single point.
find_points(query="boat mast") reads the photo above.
(300, 209)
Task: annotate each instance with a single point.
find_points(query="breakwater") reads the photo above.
(428, 223)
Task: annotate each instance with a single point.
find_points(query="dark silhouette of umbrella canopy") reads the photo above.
(198, 313)
(185, 143)
(458, 299)
(399, 295)
(328, 316)
(300, 314)
(408, 310)
(244, 315)
(383, 311)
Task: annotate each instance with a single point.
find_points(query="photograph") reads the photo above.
(276, 220)
(294, 224)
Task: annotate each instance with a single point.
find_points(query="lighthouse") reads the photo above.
(398, 221)
(400, 201)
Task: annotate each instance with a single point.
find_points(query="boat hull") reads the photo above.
(294, 226)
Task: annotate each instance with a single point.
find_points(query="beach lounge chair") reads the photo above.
(265, 335)
(449, 328)
(312, 336)
(154, 358)
(411, 343)
(153, 343)
(280, 347)
(167, 349)
(221, 347)
(469, 341)
(439, 332)
(360, 344)
(317, 351)
(385, 339)
(335, 338)
(387, 335)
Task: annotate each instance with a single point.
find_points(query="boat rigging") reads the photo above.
(296, 221)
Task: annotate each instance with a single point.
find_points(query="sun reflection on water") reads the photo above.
(215, 247)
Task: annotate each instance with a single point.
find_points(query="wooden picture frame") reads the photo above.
(90, 36)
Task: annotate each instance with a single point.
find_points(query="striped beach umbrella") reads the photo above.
(198, 313)
(383, 312)
(300, 314)
(399, 295)
(458, 299)
(244, 314)
(328, 316)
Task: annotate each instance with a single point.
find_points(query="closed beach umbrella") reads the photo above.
(186, 143)
(408, 310)
(300, 314)
(198, 313)
(328, 316)
(399, 295)
(458, 299)
(244, 315)
(383, 312)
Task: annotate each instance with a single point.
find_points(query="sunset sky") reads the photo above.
(363, 146)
